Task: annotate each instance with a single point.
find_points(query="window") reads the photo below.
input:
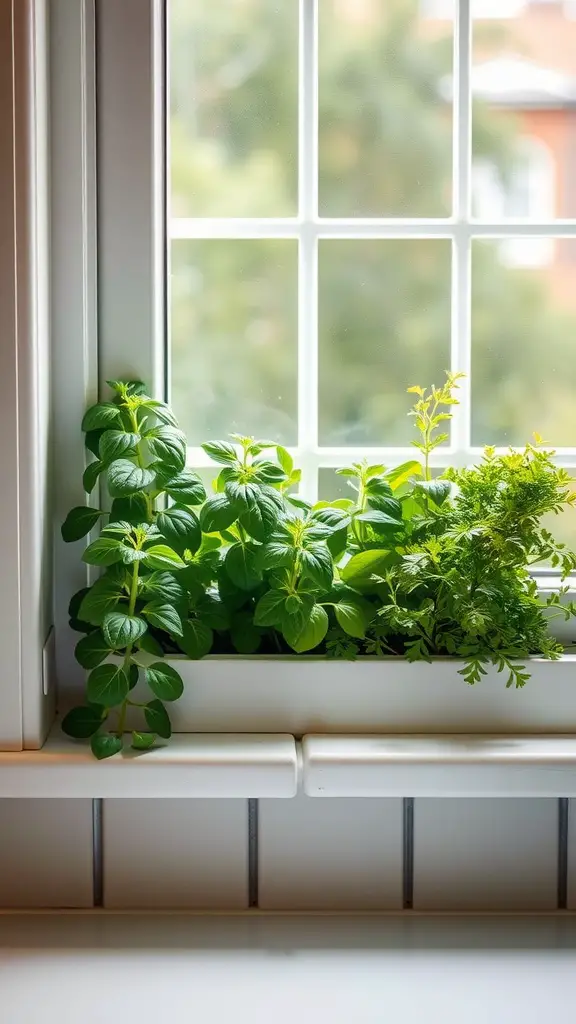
(298, 240)
(330, 244)
(525, 192)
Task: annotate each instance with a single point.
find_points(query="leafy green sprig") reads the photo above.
(137, 607)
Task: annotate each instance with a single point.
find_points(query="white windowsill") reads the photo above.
(190, 765)
(439, 766)
(258, 765)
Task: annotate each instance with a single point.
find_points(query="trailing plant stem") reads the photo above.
(128, 652)
(140, 460)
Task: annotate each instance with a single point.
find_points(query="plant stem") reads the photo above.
(141, 463)
(128, 652)
(295, 573)
(358, 528)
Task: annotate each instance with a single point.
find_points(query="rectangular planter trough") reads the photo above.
(302, 695)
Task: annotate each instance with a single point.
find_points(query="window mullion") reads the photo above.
(461, 250)
(308, 248)
(131, 206)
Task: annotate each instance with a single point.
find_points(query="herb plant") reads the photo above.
(138, 605)
(410, 564)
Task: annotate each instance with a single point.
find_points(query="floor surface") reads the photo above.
(273, 969)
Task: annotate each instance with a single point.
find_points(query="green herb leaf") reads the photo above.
(242, 496)
(400, 475)
(120, 629)
(180, 528)
(361, 568)
(163, 616)
(143, 740)
(164, 586)
(217, 514)
(125, 478)
(76, 602)
(105, 745)
(242, 564)
(157, 719)
(91, 474)
(221, 451)
(102, 598)
(185, 487)
(351, 617)
(104, 551)
(316, 562)
(168, 445)
(160, 556)
(164, 681)
(107, 685)
(380, 521)
(437, 490)
(268, 472)
(196, 639)
(277, 554)
(91, 650)
(334, 518)
(115, 443)
(101, 415)
(285, 459)
(161, 411)
(270, 608)
(133, 509)
(260, 521)
(313, 632)
(79, 522)
(92, 441)
(82, 722)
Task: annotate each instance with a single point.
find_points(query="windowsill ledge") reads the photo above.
(190, 765)
(242, 765)
(439, 766)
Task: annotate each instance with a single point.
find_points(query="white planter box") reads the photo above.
(388, 695)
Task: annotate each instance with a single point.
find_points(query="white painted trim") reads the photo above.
(439, 766)
(131, 193)
(246, 766)
(303, 695)
(223, 766)
(358, 228)
(336, 457)
(74, 298)
(10, 330)
(25, 602)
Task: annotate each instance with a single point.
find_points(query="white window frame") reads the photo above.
(115, 87)
(26, 693)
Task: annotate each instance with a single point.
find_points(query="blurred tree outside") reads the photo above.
(384, 306)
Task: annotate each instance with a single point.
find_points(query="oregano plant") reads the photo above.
(138, 606)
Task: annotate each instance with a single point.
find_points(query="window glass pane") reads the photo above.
(523, 341)
(332, 486)
(385, 109)
(563, 526)
(524, 86)
(384, 322)
(234, 341)
(233, 107)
